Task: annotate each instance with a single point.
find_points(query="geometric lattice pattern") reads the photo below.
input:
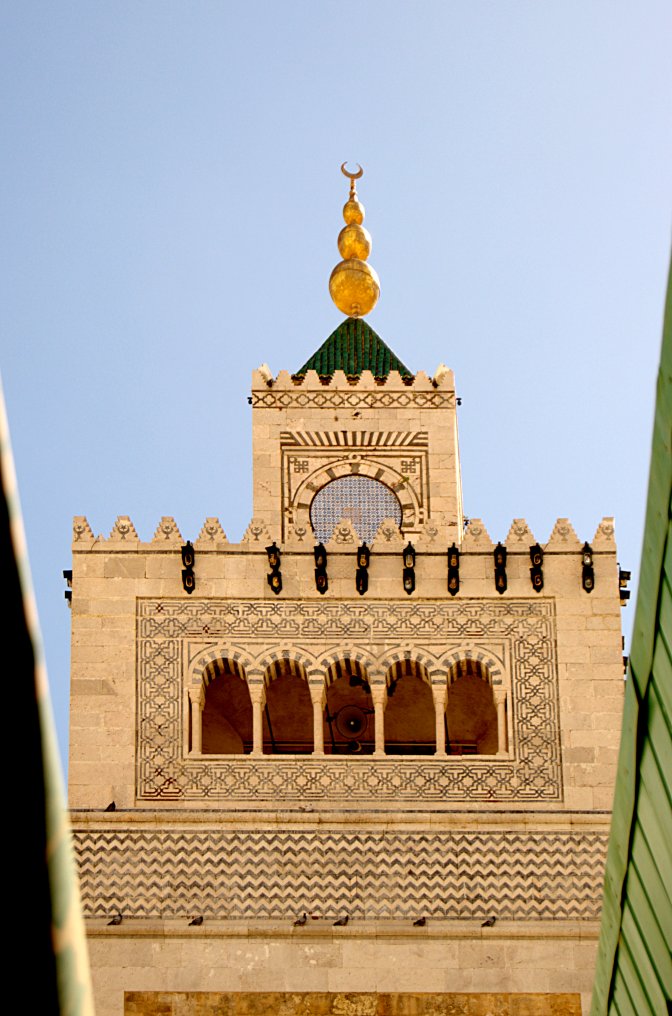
(171, 632)
(365, 502)
(367, 874)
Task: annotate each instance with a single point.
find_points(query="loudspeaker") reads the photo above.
(351, 721)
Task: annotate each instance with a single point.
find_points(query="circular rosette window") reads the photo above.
(365, 502)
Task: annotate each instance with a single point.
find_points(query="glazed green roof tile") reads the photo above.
(352, 348)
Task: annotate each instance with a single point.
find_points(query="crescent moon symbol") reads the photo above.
(352, 176)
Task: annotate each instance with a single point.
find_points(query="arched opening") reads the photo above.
(471, 711)
(288, 713)
(349, 727)
(365, 502)
(227, 712)
(410, 717)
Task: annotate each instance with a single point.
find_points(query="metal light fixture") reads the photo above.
(188, 559)
(499, 555)
(409, 568)
(321, 578)
(623, 579)
(587, 570)
(274, 578)
(362, 573)
(536, 572)
(453, 570)
(273, 553)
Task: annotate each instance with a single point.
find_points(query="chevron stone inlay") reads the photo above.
(369, 874)
(170, 631)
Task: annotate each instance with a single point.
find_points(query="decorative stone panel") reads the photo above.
(399, 460)
(172, 633)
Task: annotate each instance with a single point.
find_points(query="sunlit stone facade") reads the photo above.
(388, 754)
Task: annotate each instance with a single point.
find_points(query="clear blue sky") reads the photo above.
(170, 201)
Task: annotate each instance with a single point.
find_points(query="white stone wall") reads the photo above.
(387, 957)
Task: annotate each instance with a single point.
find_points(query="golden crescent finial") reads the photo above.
(354, 284)
(352, 177)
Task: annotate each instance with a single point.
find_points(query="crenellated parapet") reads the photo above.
(223, 568)
(342, 391)
(388, 538)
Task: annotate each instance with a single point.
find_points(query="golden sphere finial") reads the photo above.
(354, 285)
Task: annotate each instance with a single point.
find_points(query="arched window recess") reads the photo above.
(476, 712)
(288, 709)
(349, 710)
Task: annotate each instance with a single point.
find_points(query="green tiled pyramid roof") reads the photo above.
(352, 348)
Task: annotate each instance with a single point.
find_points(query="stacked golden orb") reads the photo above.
(354, 285)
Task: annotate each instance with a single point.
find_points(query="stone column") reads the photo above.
(499, 695)
(197, 699)
(317, 695)
(440, 693)
(258, 697)
(379, 696)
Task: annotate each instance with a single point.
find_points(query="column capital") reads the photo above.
(499, 695)
(440, 693)
(197, 695)
(318, 692)
(379, 694)
(257, 690)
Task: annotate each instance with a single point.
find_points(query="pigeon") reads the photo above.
(196, 922)
(111, 806)
(300, 921)
(489, 922)
(116, 920)
(341, 922)
(420, 923)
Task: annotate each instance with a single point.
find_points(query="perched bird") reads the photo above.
(341, 922)
(111, 806)
(300, 921)
(196, 922)
(420, 923)
(489, 922)
(116, 920)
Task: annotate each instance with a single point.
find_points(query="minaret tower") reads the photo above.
(354, 432)
(360, 761)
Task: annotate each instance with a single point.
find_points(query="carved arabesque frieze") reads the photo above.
(170, 632)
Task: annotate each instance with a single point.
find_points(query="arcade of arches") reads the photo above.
(348, 713)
